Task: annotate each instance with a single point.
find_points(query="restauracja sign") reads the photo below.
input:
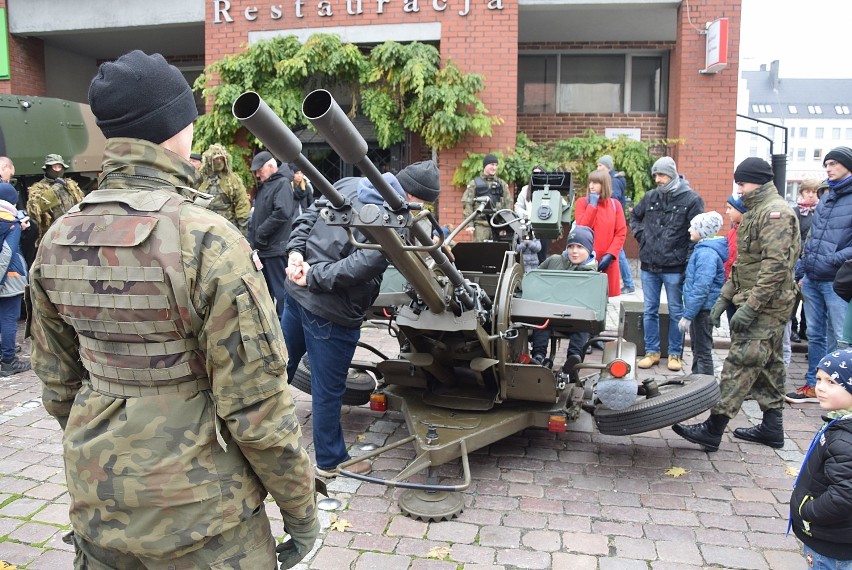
(325, 8)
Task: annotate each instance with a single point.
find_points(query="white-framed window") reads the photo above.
(814, 109)
(835, 133)
(792, 109)
(592, 83)
(819, 132)
(841, 109)
(800, 154)
(752, 151)
(803, 132)
(848, 133)
(761, 108)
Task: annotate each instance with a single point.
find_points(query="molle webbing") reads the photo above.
(107, 301)
(119, 327)
(95, 273)
(137, 391)
(145, 349)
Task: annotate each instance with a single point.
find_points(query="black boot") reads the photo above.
(770, 431)
(708, 434)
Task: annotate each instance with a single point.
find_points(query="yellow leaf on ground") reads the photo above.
(6, 566)
(339, 524)
(792, 471)
(676, 472)
(438, 552)
(361, 437)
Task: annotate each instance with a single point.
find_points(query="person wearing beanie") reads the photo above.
(755, 170)
(422, 180)
(805, 207)
(705, 275)
(619, 192)
(487, 186)
(579, 255)
(13, 280)
(151, 321)
(52, 196)
(217, 178)
(821, 501)
(761, 287)
(660, 223)
(826, 250)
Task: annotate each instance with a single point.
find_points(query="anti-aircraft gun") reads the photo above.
(463, 379)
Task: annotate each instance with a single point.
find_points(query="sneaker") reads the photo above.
(794, 337)
(627, 290)
(16, 366)
(649, 360)
(675, 363)
(361, 468)
(802, 395)
(537, 359)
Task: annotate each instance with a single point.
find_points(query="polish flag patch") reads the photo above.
(774, 215)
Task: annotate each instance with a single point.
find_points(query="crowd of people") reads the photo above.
(153, 318)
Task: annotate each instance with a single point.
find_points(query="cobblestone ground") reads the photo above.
(578, 500)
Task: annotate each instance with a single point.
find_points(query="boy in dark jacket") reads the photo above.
(705, 275)
(821, 503)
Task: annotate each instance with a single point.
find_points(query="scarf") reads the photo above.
(806, 208)
(834, 183)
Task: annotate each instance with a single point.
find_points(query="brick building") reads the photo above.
(553, 68)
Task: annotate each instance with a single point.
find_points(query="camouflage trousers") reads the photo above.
(247, 546)
(481, 232)
(755, 365)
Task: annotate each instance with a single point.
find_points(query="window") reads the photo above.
(835, 133)
(841, 109)
(752, 151)
(753, 133)
(761, 108)
(612, 83)
(792, 109)
(800, 154)
(819, 132)
(803, 132)
(817, 153)
(814, 109)
(849, 133)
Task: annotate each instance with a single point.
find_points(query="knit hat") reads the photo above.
(368, 194)
(665, 165)
(706, 224)
(421, 180)
(584, 236)
(141, 96)
(489, 159)
(838, 365)
(51, 159)
(842, 154)
(8, 193)
(737, 203)
(607, 161)
(754, 170)
(260, 159)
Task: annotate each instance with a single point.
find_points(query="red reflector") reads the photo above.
(378, 402)
(619, 368)
(556, 424)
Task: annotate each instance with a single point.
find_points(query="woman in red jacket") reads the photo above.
(605, 216)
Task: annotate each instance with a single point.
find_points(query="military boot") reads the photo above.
(707, 434)
(770, 431)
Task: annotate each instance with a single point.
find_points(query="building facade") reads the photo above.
(553, 68)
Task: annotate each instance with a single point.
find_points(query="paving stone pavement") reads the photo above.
(578, 500)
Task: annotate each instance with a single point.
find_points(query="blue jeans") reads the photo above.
(10, 310)
(652, 285)
(821, 562)
(824, 312)
(274, 271)
(330, 349)
(624, 267)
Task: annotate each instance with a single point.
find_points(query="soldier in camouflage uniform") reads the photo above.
(156, 340)
(486, 185)
(216, 178)
(762, 288)
(52, 196)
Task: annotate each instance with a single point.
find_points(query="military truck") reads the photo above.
(33, 127)
(463, 378)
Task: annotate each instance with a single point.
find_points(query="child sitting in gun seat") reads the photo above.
(579, 255)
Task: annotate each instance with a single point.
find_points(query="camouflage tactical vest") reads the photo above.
(48, 200)
(221, 201)
(117, 278)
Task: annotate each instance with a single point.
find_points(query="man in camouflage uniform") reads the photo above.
(52, 196)
(762, 288)
(496, 190)
(156, 341)
(216, 178)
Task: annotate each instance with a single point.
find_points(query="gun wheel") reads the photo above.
(359, 384)
(431, 506)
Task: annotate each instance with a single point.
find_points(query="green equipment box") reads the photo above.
(631, 315)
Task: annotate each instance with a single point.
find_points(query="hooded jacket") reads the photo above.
(830, 241)
(705, 275)
(821, 502)
(660, 223)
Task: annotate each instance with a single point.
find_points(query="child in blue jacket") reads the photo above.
(705, 275)
(13, 281)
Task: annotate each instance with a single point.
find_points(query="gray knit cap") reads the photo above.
(607, 161)
(422, 180)
(665, 165)
(707, 224)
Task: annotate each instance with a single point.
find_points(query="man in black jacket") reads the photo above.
(272, 220)
(660, 223)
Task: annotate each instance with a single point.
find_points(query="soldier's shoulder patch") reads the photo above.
(774, 215)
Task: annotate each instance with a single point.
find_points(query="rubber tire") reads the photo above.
(359, 384)
(674, 404)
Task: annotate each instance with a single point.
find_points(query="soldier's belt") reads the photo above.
(137, 391)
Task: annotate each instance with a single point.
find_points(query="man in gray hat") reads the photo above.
(53, 195)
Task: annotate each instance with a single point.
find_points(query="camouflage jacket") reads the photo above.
(49, 199)
(492, 186)
(767, 248)
(161, 356)
(230, 199)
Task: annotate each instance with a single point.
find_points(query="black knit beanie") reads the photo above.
(421, 180)
(842, 154)
(141, 96)
(489, 159)
(583, 236)
(754, 170)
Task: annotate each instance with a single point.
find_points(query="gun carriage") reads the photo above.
(463, 378)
